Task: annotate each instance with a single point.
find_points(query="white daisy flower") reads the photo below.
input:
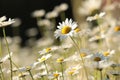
(55, 75)
(85, 53)
(108, 53)
(4, 23)
(73, 70)
(101, 65)
(65, 29)
(97, 57)
(97, 16)
(44, 58)
(5, 58)
(38, 13)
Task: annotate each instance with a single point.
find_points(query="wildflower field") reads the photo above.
(86, 47)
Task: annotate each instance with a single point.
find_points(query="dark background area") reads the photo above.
(23, 8)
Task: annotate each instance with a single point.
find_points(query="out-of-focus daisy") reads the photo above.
(97, 16)
(97, 37)
(108, 53)
(60, 60)
(85, 9)
(65, 29)
(52, 14)
(31, 32)
(15, 78)
(97, 57)
(85, 53)
(38, 13)
(115, 73)
(55, 75)
(17, 22)
(44, 22)
(2, 60)
(73, 70)
(44, 51)
(29, 67)
(40, 75)
(4, 23)
(101, 65)
(44, 57)
(63, 6)
(22, 75)
(117, 28)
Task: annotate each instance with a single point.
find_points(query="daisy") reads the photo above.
(44, 51)
(44, 58)
(102, 65)
(38, 13)
(55, 75)
(5, 58)
(97, 16)
(117, 28)
(5, 23)
(73, 70)
(65, 29)
(108, 53)
(60, 60)
(97, 57)
(85, 53)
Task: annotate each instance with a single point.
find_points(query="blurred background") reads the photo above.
(22, 10)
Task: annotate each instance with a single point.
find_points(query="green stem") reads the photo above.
(0, 47)
(2, 74)
(101, 74)
(46, 67)
(62, 16)
(62, 70)
(8, 52)
(31, 74)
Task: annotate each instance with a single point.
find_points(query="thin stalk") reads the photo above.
(8, 52)
(0, 47)
(31, 74)
(2, 74)
(46, 67)
(62, 70)
(71, 77)
(101, 74)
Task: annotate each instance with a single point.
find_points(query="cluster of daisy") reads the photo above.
(85, 51)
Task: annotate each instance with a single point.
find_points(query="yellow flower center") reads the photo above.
(97, 59)
(48, 49)
(65, 30)
(83, 54)
(56, 75)
(28, 68)
(106, 53)
(60, 60)
(71, 72)
(77, 29)
(117, 28)
(42, 59)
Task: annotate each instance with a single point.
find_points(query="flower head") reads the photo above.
(65, 29)
(98, 57)
(108, 53)
(44, 58)
(97, 16)
(4, 23)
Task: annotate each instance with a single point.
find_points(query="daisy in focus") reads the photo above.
(65, 29)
